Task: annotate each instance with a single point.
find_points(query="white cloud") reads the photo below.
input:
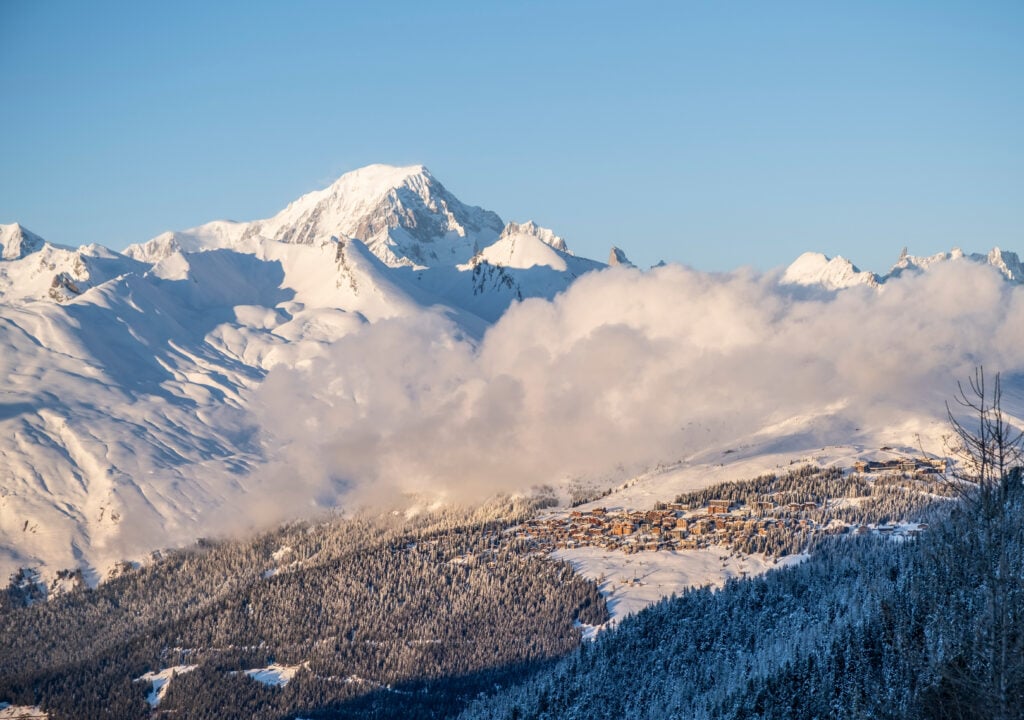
(626, 369)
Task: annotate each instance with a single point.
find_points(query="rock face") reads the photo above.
(1005, 262)
(618, 257)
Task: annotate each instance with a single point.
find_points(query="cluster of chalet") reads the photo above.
(915, 466)
(673, 527)
(678, 526)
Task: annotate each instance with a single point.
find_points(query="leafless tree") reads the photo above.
(989, 451)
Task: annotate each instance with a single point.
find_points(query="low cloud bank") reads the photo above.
(625, 370)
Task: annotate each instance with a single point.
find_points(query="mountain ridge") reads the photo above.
(838, 273)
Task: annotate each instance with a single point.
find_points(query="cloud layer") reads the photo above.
(625, 370)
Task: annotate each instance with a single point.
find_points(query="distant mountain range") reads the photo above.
(836, 273)
(124, 420)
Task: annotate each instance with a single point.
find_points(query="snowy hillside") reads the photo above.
(124, 420)
(369, 342)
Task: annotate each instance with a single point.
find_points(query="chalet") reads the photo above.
(716, 507)
(764, 506)
(875, 466)
(623, 528)
(931, 466)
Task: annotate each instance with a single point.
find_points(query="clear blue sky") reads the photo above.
(711, 133)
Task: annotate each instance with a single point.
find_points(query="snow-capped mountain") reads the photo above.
(33, 269)
(16, 242)
(1007, 263)
(814, 268)
(127, 417)
(403, 214)
(817, 269)
(123, 421)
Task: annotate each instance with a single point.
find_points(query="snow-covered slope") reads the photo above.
(33, 269)
(124, 415)
(525, 261)
(527, 245)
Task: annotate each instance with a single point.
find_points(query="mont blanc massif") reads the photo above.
(385, 454)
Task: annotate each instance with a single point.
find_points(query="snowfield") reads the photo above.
(160, 681)
(21, 712)
(632, 582)
(274, 674)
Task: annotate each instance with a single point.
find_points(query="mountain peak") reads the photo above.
(1006, 262)
(403, 214)
(534, 230)
(379, 178)
(16, 242)
(618, 257)
(814, 268)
